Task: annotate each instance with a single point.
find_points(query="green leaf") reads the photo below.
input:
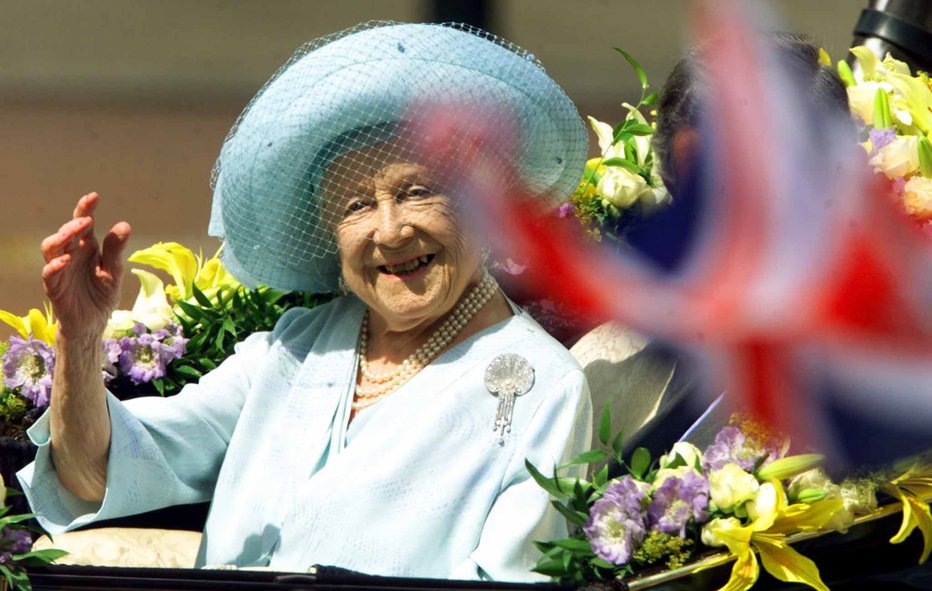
(551, 568)
(605, 425)
(39, 557)
(844, 72)
(882, 117)
(641, 74)
(188, 371)
(627, 165)
(650, 99)
(193, 311)
(640, 461)
(587, 457)
(618, 445)
(601, 477)
(639, 128)
(571, 516)
(548, 484)
(201, 298)
(925, 157)
(573, 545)
(159, 386)
(601, 563)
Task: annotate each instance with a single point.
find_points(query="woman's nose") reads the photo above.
(393, 228)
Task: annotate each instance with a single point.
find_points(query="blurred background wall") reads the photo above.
(132, 98)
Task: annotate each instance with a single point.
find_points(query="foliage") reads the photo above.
(743, 493)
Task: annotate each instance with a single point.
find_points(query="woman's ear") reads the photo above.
(685, 147)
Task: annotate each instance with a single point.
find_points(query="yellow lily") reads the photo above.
(912, 488)
(35, 324)
(771, 520)
(187, 270)
(173, 258)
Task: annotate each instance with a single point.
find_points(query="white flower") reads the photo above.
(689, 452)
(605, 134)
(918, 196)
(898, 158)
(620, 187)
(151, 308)
(731, 486)
(861, 99)
(764, 508)
(810, 479)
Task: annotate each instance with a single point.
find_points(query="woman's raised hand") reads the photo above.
(81, 279)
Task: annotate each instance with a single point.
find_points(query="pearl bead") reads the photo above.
(386, 383)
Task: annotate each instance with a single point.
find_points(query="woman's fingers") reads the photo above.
(68, 237)
(86, 205)
(52, 274)
(114, 242)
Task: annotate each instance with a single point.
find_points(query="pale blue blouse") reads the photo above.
(417, 485)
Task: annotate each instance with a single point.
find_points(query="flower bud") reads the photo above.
(789, 466)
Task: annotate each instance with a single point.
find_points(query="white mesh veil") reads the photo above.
(361, 88)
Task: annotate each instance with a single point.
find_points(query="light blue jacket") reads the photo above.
(417, 485)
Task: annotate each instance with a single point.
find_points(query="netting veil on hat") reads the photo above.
(352, 90)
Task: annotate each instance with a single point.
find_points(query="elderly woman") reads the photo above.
(384, 432)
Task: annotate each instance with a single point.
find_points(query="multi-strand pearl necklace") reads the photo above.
(386, 383)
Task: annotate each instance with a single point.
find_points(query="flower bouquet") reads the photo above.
(16, 552)
(743, 494)
(894, 111)
(622, 184)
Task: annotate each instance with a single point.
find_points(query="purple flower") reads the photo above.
(29, 365)
(6, 557)
(677, 501)
(617, 522)
(141, 358)
(565, 210)
(880, 138)
(731, 446)
(111, 352)
(18, 541)
(173, 343)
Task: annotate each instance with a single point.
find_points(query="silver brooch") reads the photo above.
(507, 377)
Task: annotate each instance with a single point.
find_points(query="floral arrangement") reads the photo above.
(894, 108)
(622, 184)
(173, 334)
(16, 552)
(743, 494)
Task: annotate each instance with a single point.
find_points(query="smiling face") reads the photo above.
(402, 248)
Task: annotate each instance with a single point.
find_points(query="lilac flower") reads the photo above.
(617, 522)
(111, 352)
(29, 365)
(19, 540)
(173, 343)
(565, 210)
(677, 501)
(141, 357)
(731, 446)
(880, 138)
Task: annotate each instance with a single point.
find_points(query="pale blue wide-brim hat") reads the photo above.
(355, 88)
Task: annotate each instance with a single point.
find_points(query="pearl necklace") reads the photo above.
(386, 383)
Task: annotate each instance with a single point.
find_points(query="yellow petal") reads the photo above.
(807, 517)
(743, 574)
(916, 513)
(866, 58)
(785, 563)
(16, 322)
(824, 58)
(173, 258)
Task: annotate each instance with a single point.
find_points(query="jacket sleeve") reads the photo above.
(560, 429)
(163, 451)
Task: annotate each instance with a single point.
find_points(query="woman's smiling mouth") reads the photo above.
(408, 267)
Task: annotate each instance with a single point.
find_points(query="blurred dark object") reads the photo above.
(901, 27)
(14, 455)
(478, 13)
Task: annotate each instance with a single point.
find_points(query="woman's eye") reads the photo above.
(418, 191)
(355, 206)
